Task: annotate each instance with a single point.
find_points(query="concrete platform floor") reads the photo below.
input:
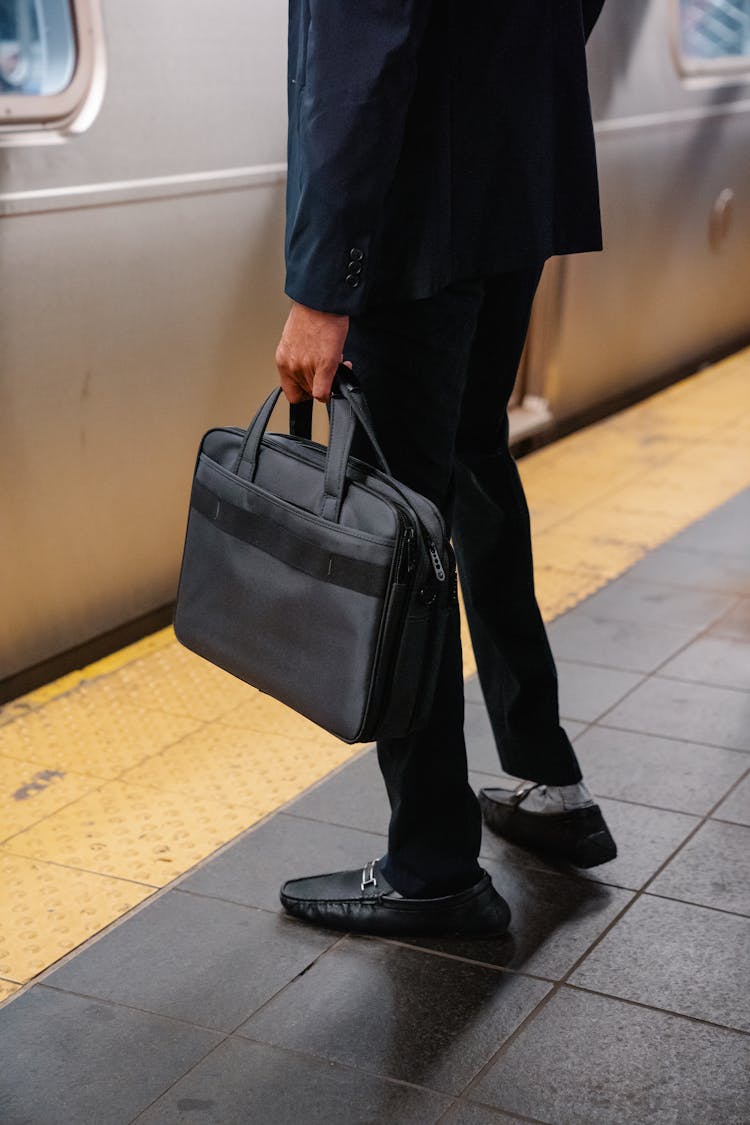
(619, 997)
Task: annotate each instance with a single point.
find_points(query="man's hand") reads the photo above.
(309, 352)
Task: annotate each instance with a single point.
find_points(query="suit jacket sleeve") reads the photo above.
(591, 12)
(352, 72)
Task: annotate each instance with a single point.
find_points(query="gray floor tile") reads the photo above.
(734, 624)
(399, 1013)
(587, 691)
(473, 690)
(725, 531)
(695, 569)
(244, 1083)
(208, 962)
(677, 956)
(286, 847)
(573, 728)
(633, 646)
(589, 1060)
(555, 918)
(721, 661)
(481, 749)
(645, 839)
(354, 797)
(656, 603)
(632, 766)
(67, 1060)
(737, 805)
(713, 869)
(694, 712)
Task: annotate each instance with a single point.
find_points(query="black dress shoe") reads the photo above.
(578, 836)
(362, 901)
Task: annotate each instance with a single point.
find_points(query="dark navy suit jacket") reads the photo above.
(434, 140)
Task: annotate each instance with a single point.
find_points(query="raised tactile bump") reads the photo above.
(258, 771)
(47, 910)
(178, 682)
(30, 792)
(133, 832)
(94, 730)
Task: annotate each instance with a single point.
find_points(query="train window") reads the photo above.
(37, 46)
(50, 60)
(714, 35)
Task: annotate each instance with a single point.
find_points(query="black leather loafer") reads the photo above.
(578, 836)
(362, 901)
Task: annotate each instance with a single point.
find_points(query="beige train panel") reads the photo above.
(666, 292)
(660, 295)
(163, 322)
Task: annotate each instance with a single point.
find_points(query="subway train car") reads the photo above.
(142, 172)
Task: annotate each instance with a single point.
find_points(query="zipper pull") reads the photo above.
(437, 566)
(411, 561)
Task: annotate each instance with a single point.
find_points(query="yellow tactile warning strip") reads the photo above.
(121, 776)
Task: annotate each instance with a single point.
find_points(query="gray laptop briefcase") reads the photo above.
(315, 577)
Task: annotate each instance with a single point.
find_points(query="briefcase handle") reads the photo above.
(346, 386)
(347, 409)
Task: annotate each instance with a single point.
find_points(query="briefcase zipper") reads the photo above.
(405, 560)
(320, 453)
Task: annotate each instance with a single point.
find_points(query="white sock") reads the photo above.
(557, 798)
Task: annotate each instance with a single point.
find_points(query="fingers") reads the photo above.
(294, 391)
(299, 383)
(323, 381)
(309, 352)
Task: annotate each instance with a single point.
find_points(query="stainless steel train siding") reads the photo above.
(142, 283)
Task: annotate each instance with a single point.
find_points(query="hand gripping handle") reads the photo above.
(347, 409)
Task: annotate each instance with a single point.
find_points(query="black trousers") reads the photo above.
(437, 374)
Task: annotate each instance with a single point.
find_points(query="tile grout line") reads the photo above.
(700, 1020)
(497, 1114)
(179, 1078)
(38, 978)
(564, 980)
(702, 683)
(600, 719)
(344, 938)
(338, 769)
(667, 737)
(294, 1053)
(101, 782)
(6, 850)
(662, 463)
(204, 723)
(159, 892)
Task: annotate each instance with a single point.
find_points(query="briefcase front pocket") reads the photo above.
(292, 604)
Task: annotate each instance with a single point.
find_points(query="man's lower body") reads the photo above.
(437, 375)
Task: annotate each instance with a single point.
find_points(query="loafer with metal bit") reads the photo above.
(362, 901)
(579, 836)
